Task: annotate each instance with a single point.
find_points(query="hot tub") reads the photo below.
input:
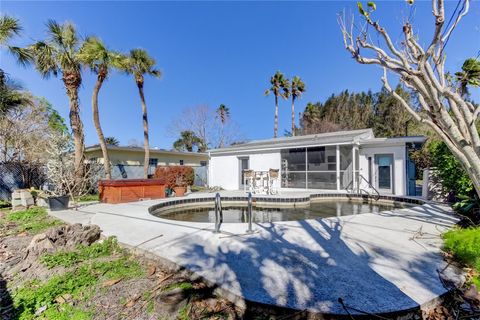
(120, 191)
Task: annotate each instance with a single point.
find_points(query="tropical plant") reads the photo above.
(58, 54)
(280, 87)
(11, 95)
(187, 141)
(223, 114)
(422, 69)
(9, 28)
(112, 141)
(296, 91)
(138, 63)
(470, 75)
(95, 55)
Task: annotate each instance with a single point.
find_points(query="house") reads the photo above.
(127, 162)
(346, 160)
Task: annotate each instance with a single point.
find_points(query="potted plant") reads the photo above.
(180, 186)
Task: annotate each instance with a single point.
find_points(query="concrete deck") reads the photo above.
(375, 262)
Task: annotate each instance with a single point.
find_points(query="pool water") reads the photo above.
(238, 214)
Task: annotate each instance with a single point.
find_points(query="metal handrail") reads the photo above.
(218, 213)
(371, 186)
(359, 190)
(249, 212)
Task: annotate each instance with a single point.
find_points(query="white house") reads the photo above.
(346, 160)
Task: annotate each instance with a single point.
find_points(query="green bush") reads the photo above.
(464, 245)
(450, 170)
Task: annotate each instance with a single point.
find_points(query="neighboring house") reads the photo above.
(346, 160)
(127, 162)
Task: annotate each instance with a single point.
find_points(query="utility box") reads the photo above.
(22, 198)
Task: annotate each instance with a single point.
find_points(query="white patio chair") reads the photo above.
(248, 180)
(273, 175)
(261, 182)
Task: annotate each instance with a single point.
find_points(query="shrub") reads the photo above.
(176, 176)
(450, 170)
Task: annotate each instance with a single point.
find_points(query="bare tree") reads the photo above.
(205, 123)
(442, 106)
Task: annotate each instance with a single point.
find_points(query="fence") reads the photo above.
(19, 175)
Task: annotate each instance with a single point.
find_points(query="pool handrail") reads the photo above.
(218, 213)
(249, 213)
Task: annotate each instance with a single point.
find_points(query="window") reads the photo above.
(181, 162)
(203, 163)
(153, 162)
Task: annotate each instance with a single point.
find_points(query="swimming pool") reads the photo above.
(238, 213)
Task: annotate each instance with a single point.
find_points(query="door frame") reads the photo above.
(240, 180)
(391, 190)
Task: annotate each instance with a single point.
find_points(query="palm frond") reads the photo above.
(23, 56)
(45, 58)
(55, 32)
(9, 27)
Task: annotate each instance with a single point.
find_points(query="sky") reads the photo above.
(213, 53)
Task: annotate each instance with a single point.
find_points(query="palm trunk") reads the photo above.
(275, 126)
(77, 129)
(145, 131)
(98, 128)
(293, 116)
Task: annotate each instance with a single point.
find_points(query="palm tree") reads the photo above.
(187, 141)
(95, 55)
(279, 88)
(223, 113)
(112, 141)
(58, 54)
(138, 63)
(297, 89)
(470, 75)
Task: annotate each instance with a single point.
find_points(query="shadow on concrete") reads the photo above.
(308, 273)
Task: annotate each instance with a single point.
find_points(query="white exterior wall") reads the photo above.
(399, 170)
(224, 170)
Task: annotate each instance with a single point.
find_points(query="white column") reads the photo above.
(338, 167)
(354, 184)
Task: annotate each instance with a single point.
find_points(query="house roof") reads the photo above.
(394, 141)
(152, 150)
(339, 137)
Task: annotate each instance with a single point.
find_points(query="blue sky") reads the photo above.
(219, 52)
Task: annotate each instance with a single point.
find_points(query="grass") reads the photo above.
(88, 197)
(464, 245)
(33, 220)
(5, 204)
(34, 295)
(82, 253)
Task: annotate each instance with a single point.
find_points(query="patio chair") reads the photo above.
(261, 182)
(248, 180)
(273, 175)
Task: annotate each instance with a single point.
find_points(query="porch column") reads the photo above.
(338, 166)
(354, 184)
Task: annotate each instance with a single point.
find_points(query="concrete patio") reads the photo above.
(377, 263)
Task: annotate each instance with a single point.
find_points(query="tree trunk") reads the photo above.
(77, 127)
(145, 131)
(98, 128)
(293, 116)
(275, 126)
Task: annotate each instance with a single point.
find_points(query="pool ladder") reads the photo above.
(219, 213)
